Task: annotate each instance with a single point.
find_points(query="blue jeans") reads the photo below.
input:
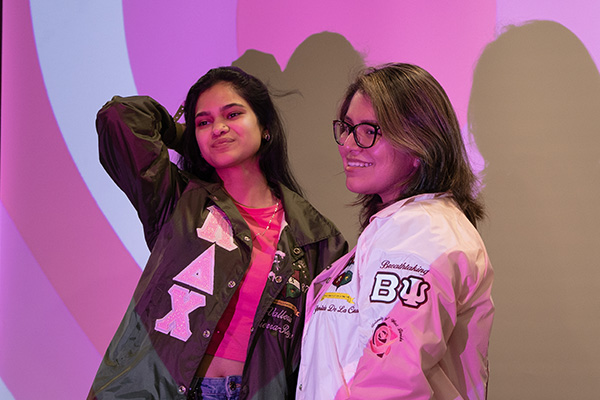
(227, 388)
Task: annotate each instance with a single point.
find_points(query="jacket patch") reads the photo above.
(346, 276)
(339, 296)
(414, 291)
(177, 321)
(217, 229)
(200, 275)
(293, 288)
(388, 287)
(386, 333)
(277, 259)
(342, 279)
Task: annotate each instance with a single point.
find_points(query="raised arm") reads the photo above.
(133, 135)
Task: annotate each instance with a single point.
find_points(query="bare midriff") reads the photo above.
(217, 367)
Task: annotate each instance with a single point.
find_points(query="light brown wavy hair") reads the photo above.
(415, 115)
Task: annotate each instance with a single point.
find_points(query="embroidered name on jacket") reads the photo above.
(199, 274)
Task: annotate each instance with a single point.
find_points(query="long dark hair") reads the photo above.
(416, 115)
(272, 154)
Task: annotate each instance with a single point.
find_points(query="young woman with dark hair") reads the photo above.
(219, 309)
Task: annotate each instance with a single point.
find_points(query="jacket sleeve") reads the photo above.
(408, 311)
(133, 134)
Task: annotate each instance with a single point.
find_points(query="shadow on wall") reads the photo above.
(535, 113)
(315, 79)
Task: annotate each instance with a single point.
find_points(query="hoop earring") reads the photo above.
(267, 137)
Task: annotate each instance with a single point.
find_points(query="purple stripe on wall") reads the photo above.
(45, 353)
(48, 201)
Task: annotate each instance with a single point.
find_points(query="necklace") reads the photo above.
(269, 223)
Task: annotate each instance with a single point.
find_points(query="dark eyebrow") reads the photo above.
(349, 121)
(231, 105)
(224, 108)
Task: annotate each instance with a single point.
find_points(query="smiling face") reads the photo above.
(227, 129)
(381, 169)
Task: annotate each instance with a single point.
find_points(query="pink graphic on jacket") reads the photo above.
(386, 333)
(414, 291)
(177, 321)
(200, 274)
(216, 229)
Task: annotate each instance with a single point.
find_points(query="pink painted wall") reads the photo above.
(68, 262)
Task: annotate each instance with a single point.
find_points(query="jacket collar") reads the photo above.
(393, 208)
(306, 223)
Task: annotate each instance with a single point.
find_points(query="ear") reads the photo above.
(416, 163)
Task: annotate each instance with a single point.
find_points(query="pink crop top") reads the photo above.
(231, 337)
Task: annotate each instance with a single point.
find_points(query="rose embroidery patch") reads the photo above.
(385, 334)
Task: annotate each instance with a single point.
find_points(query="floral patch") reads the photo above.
(385, 334)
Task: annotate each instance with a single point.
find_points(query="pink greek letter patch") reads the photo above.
(217, 229)
(414, 291)
(200, 274)
(177, 322)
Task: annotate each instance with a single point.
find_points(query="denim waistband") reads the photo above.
(223, 388)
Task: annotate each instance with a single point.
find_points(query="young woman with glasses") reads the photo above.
(407, 313)
(219, 309)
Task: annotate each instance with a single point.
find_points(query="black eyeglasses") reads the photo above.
(365, 134)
